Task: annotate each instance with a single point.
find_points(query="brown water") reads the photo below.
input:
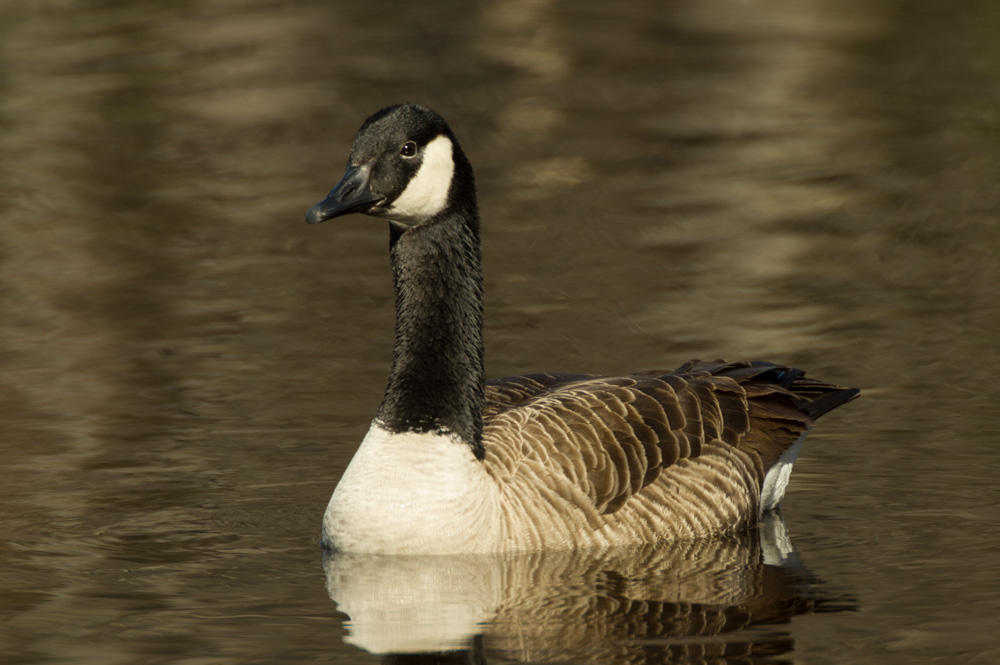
(186, 367)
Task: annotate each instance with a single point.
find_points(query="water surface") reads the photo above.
(186, 367)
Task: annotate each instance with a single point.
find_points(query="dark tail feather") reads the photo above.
(829, 401)
(815, 397)
(812, 397)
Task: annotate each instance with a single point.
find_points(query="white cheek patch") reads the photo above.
(427, 193)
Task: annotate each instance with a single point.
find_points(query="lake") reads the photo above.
(186, 367)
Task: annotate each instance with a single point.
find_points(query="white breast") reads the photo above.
(413, 493)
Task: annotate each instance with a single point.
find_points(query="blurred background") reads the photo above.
(186, 367)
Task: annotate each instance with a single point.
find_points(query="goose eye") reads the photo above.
(409, 149)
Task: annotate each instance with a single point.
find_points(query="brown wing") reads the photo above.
(611, 436)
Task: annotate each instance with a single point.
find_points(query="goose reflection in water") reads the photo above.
(672, 602)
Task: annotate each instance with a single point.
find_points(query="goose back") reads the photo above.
(644, 456)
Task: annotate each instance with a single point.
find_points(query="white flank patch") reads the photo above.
(776, 480)
(413, 493)
(427, 193)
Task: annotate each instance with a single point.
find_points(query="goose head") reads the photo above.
(405, 166)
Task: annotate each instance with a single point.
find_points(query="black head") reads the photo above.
(405, 166)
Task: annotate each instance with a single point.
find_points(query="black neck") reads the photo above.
(437, 377)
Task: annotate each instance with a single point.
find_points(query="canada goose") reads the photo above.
(453, 463)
